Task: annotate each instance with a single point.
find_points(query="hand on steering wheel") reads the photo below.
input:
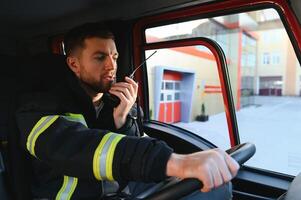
(241, 153)
(213, 167)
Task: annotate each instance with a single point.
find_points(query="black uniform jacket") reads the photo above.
(72, 151)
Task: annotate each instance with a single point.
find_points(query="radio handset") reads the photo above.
(113, 100)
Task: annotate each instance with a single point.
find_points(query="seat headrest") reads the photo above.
(42, 72)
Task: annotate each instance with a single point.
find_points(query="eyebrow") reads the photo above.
(100, 52)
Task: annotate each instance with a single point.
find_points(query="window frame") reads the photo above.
(208, 10)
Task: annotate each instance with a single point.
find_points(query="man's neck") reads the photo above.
(96, 97)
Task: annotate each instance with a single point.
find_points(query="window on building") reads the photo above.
(177, 85)
(162, 97)
(169, 97)
(269, 36)
(275, 58)
(177, 96)
(168, 85)
(266, 58)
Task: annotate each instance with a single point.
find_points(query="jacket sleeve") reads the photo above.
(64, 142)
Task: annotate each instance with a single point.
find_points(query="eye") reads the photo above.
(115, 57)
(100, 57)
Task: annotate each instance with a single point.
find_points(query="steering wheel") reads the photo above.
(241, 153)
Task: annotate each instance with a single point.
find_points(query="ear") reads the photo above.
(74, 65)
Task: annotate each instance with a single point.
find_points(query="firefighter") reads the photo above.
(83, 148)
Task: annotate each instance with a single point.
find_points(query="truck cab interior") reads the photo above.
(224, 73)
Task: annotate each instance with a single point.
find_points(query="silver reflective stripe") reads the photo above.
(67, 188)
(103, 157)
(37, 130)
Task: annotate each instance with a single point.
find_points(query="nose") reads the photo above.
(110, 63)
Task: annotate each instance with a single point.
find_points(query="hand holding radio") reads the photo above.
(126, 92)
(113, 99)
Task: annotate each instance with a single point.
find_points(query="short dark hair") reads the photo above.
(76, 36)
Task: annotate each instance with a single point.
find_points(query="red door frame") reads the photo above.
(139, 44)
(175, 104)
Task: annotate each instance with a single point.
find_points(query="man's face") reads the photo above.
(98, 63)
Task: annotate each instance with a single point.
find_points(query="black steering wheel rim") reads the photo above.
(241, 153)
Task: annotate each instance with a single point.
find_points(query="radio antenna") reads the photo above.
(132, 74)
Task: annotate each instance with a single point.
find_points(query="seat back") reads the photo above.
(19, 164)
(18, 77)
(8, 85)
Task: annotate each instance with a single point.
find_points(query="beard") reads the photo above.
(101, 87)
(96, 85)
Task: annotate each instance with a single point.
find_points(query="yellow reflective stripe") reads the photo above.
(76, 118)
(103, 156)
(37, 130)
(31, 135)
(67, 189)
(59, 194)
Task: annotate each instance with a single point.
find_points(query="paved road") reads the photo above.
(273, 124)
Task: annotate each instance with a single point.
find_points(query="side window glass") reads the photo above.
(185, 91)
(265, 80)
